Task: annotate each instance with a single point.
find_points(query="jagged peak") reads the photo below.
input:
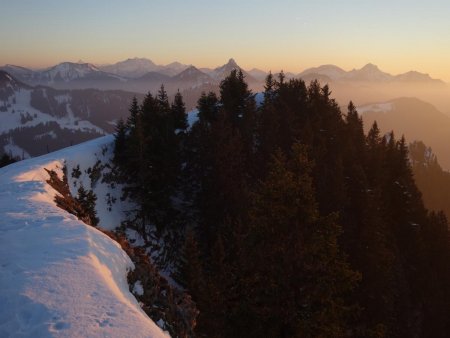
(231, 64)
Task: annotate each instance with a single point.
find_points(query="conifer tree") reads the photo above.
(87, 200)
(163, 100)
(208, 107)
(190, 271)
(238, 102)
(120, 143)
(132, 120)
(292, 245)
(178, 112)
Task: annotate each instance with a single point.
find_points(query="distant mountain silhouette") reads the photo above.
(368, 73)
(192, 75)
(329, 71)
(258, 74)
(142, 75)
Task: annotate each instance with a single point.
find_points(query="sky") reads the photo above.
(292, 35)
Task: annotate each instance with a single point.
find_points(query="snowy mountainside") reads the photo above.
(132, 68)
(60, 277)
(66, 72)
(69, 75)
(137, 67)
(36, 120)
(137, 74)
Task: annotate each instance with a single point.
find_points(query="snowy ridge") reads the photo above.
(58, 276)
(68, 71)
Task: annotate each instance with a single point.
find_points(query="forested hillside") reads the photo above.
(431, 179)
(293, 222)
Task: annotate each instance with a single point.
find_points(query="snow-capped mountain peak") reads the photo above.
(133, 68)
(68, 71)
(223, 71)
(369, 72)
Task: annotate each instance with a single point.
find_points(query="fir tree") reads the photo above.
(120, 142)
(178, 112)
(208, 107)
(87, 200)
(292, 245)
(132, 120)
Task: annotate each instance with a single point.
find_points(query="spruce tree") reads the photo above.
(298, 278)
(120, 142)
(178, 112)
(132, 120)
(208, 107)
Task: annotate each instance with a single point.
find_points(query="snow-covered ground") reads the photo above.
(58, 276)
(20, 103)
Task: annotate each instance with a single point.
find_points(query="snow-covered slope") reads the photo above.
(36, 120)
(66, 71)
(58, 276)
(132, 68)
(137, 67)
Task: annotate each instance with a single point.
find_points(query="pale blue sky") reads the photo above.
(283, 34)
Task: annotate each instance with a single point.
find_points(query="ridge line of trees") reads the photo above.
(296, 223)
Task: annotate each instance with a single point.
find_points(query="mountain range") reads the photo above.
(142, 75)
(44, 110)
(368, 73)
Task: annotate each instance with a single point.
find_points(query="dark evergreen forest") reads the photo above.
(293, 222)
(431, 179)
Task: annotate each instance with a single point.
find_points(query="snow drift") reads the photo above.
(58, 276)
